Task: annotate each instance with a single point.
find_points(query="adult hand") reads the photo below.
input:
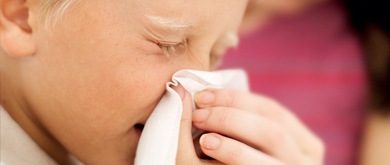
(247, 129)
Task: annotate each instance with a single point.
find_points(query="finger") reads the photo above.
(241, 100)
(230, 151)
(251, 129)
(308, 142)
(186, 151)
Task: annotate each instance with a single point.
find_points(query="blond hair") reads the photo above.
(53, 10)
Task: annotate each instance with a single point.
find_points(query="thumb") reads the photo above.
(186, 151)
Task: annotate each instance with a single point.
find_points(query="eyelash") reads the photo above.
(169, 50)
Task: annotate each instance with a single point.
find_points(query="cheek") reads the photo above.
(90, 82)
(105, 83)
(117, 92)
(103, 77)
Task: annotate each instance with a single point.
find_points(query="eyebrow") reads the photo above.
(170, 23)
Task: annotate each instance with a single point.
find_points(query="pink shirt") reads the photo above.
(314, 65)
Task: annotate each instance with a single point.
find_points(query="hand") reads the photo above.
(256, 129)
(186, 152)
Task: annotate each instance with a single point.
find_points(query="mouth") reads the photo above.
(138, 129)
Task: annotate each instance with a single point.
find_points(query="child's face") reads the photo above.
(101, 71)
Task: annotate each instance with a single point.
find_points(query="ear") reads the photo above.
(15, 32)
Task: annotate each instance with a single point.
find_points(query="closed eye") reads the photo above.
(169, 49)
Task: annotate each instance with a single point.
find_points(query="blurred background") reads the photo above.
(310, 56)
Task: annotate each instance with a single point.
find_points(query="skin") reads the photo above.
(83, 85)
(375, 145)
(246, 129)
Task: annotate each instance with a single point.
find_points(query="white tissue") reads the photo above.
(159, 140)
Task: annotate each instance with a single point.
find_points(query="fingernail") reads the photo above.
(205, 97)
(200, 115)
(179, 90)
(209, 141)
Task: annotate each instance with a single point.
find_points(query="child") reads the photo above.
(82, 76)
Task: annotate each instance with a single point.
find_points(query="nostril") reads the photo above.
(140, 126)
(138, 129)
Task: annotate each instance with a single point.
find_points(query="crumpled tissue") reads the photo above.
(159, 140)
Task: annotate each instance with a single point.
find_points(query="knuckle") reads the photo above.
(318, 149)
(226, 116)
(233, 98)
(185, 119)
(276, 114)
(275, 110)
(235, 153)
(275, 136)
(321, 146)
(315, 150)
(230, 97)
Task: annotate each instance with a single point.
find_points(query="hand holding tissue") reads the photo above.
(159, 140)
